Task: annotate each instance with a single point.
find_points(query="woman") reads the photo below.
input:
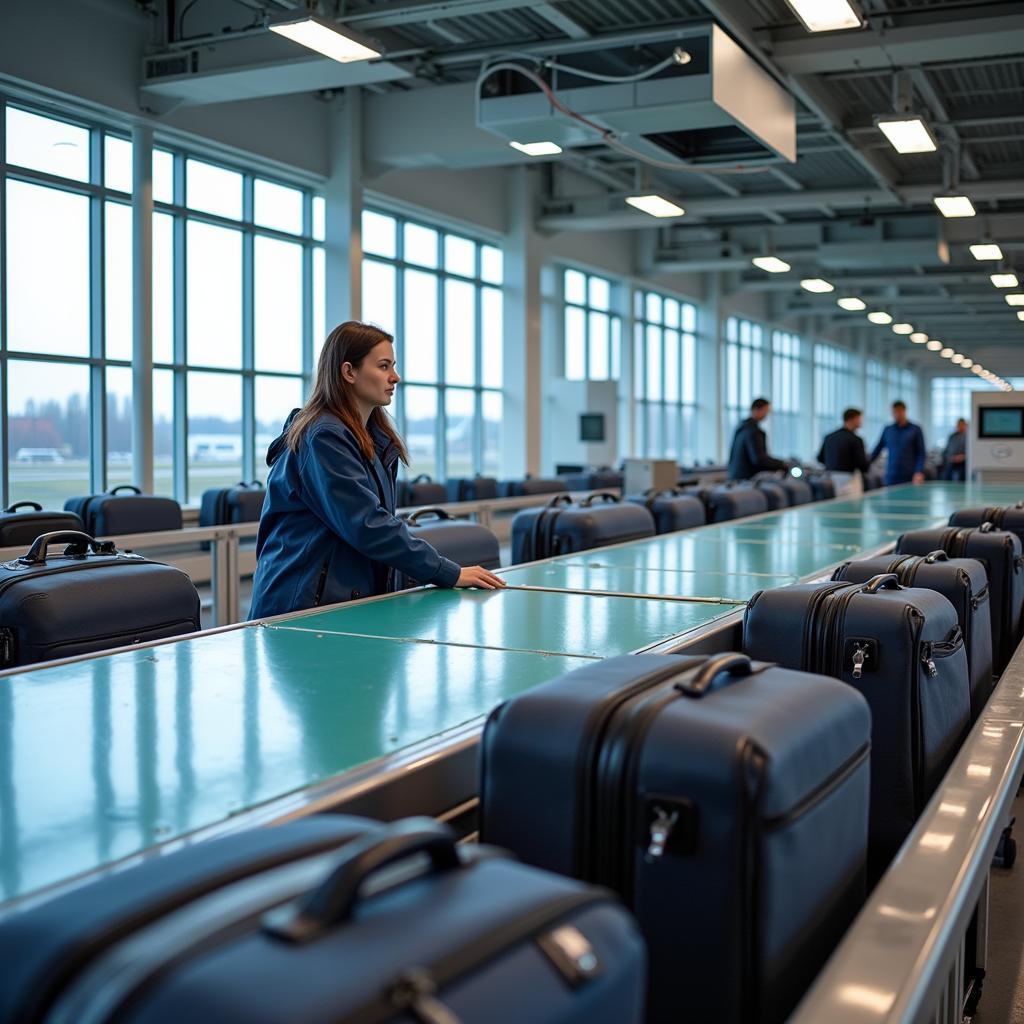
(328, 532)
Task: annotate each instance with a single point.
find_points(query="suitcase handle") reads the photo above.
(423, 478)
(936, 556)
(333, 901)
(703, 680)
(883, 581)
(439, 512)
(124, 487)
(77, 544)
(559, 499)
(986, 528)
(34, 505)
(653, 492)
(591, 498)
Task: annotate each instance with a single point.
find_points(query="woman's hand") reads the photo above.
(477, 576)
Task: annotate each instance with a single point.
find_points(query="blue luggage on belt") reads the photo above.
(672, 510)
(776, 494)
(903, 649)
(327, 920)
(114, 512)
(1009, 518)
(421, 490)
(531, 485)
(23, 521)
(242, 503)
(472, 488)
(731, 501)
(725, 801)
(465, 543)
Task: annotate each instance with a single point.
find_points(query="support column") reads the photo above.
(710, 371)
(344, 210)
(142, 307)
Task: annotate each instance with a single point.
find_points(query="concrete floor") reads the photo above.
(1002, 1001)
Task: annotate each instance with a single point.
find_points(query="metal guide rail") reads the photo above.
(372, 706)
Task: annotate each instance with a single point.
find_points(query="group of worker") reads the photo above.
(843, 451)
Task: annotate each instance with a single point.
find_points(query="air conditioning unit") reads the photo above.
(720, 107)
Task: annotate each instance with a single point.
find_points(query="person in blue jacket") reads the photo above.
(905, 443)
(328, 531)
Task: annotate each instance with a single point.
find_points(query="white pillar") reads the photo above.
(142, 307)
(344, 210)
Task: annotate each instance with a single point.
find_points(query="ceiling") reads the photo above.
(850, 209)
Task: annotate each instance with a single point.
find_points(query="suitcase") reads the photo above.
(530, 486)
(705, 792)
(903, 650)
(89, 598)
(562, 527)
(672, 510)
(1010, 519)
(473, 488)
(593, 479)
(1000, 553)
(242, 503)
(776, 495)
(822, 486)
(725, 503)
(19, 527)
(800, 492)
(113, 513)
(325, 920)
(963, 582)
(460, 540)
(421, 491)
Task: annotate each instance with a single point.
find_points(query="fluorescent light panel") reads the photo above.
(772, 264)
(656, 206)
(853, 304)
(909, 134)
(1020, 315)
(986, 251)
(1015, 299)
(325, 37)
(947, 353)
(955, 206)
(817, 285)
(934, 346)
(537, 148)
(967, 364)
(826, 15)
(956, 358)
(902, 328)
(919, 337)
(1004, 280)
(880, 317)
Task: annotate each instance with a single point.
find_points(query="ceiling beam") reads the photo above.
(391, 15)
(572, 28)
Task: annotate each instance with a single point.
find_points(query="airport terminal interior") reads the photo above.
(665, 532)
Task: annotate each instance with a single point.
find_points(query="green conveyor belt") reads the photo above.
(109, 756)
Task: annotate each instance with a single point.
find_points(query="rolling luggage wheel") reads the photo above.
(1006, 851)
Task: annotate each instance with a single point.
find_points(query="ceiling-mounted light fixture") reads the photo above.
(902, 328)
(1004, 280)
(655, 206)
(955, 206)
(947, 353)
(1015, 298)
(827, 15)
(986, 251)
(907, 133)
(966, 363)
(879, 316)
(934, 345)
(771, 264)
(817, 285)
(537, 148)
(956, 358)
(1020, 315)
(919, 337)
(324, 36)
(978, 369)
(852, 303)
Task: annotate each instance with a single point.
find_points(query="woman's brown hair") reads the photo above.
(350, 342)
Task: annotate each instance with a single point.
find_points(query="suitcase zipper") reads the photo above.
(940, 649)
(321, 583)
(120, 559)
(113, 636)
(820, 793)
(810, 638)
(6, 646)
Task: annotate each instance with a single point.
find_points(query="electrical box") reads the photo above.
(995, 446)
(641, 475)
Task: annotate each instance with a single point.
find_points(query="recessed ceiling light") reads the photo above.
(1020, 315)
(827, 15)
(947, 353)
(986, 251)
(817, 285)
(978, 369)
(1004, 280)
(656, 206)
(879, 317)
(956, 358)
(934, 346)
(772, 264)
(919, 337)
(324, 36)
(1015, 299)
(955, 206)
(537, 148)
(966, 363)
(853, 304)
(902, 328)
(907, 133)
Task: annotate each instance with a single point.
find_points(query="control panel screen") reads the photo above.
(1001, 421)
(592, 426)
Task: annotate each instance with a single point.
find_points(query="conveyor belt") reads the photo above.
(107, 758)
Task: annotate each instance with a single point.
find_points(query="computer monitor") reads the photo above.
(1001, 421)
(591, 426)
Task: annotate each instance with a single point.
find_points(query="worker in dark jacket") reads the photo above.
(328, 532)
(749, 454)
(842, 451)
(905, 443)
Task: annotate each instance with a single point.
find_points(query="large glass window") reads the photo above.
(744, 368)
(592, 332)
(665, 375)
(784, 426)
(235, 306)
(439, 293)
(832, 373)
(951, 400)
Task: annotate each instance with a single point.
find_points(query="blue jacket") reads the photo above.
(906, 452)
(328, 531)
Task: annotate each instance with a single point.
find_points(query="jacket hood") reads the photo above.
(278, 445)
(386, 450)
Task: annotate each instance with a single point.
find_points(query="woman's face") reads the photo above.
(373, 382)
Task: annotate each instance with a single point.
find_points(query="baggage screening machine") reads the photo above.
(995, 438)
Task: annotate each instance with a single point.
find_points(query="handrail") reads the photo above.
(894, 963)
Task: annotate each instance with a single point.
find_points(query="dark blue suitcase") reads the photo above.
(727, 503)
(114, 512)
(465, 543)
(822, 486)
(672, 510)
(593, 479)
(531, 485)
(23, 521)
(562, 527)
(1002, 518)
(799, 491)
(726, 802)
(421, 490)
(1000, 552)
(472, 488)
(242, 503)
(777, 495)
(962, 582)
(327, 920)
(903, 650)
